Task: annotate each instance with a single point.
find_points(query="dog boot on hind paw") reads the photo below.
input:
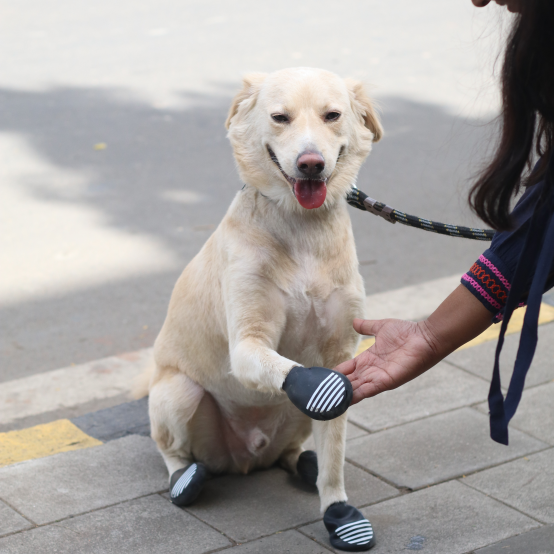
(318, 392)
(348, 529)
(307, 467)
(185, 484)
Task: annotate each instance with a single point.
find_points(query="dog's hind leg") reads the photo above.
(301, 428)
(174, 399)
(288, 459)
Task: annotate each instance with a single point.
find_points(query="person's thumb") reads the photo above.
(367, 326)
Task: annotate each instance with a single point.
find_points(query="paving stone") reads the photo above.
(479, 359)
(353, 431)
(251, 506)
(289, 542)
(445, 519)
(363, 488)
(534, 414)
(71, 483)
(438, 390)
(143, 526)
(432, 450)
(129, 418)
(527, 484)
(264, 502)
(539, 541)
(11, 521)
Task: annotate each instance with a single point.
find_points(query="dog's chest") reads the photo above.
(313, 306)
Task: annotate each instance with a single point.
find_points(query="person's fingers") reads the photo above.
(356, 397)
(364, 390)
(346, 368)
(367, 326)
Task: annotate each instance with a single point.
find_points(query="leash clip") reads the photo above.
(378, 208)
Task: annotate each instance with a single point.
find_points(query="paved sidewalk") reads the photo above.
(419, 463)
(79, 389)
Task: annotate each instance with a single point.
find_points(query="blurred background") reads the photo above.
(115, 167)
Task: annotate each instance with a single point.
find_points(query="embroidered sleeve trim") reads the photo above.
(482, 292)
(489, 282)
(495, 270)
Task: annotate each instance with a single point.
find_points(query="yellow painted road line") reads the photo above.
(42, 440)
(365, 344)
(516, 323)
(546, 315)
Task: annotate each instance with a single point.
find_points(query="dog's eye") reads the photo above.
(280, 118)
(332, 116)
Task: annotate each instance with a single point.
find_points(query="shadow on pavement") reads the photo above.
(169, 173)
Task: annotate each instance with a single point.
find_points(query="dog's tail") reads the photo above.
(141, 383)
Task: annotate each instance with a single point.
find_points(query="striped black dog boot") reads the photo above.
(318, 392)
(307, 467)
(348, 529)
(185, 484)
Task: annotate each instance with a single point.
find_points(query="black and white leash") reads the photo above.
(362, 201)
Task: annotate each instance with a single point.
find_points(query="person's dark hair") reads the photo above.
(527, 115)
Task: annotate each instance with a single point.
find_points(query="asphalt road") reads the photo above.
(115, 168)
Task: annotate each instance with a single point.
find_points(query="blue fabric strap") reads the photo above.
(529, 337)
(539, 243)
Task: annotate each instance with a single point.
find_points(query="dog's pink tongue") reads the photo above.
(310, 194)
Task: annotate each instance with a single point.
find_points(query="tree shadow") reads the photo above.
(169, 173)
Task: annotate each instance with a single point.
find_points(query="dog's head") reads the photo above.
(300, 135)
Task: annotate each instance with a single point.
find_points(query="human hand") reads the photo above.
(402, 351)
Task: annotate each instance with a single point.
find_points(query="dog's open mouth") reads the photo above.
(310, 193)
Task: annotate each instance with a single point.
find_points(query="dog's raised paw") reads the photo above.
(318, 392)
(307, 467)
(185, 484)
(348, 529)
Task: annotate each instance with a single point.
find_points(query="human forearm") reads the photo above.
(459, 319)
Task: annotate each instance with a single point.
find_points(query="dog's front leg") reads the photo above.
(330, 440)
(257, 366)
(347, 527)
(256, 319)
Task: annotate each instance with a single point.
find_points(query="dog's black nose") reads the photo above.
(310, 163)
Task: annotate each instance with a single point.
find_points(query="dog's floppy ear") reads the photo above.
(363, 106)
(246, 98)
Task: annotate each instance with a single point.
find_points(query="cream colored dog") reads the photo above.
(276, 286)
